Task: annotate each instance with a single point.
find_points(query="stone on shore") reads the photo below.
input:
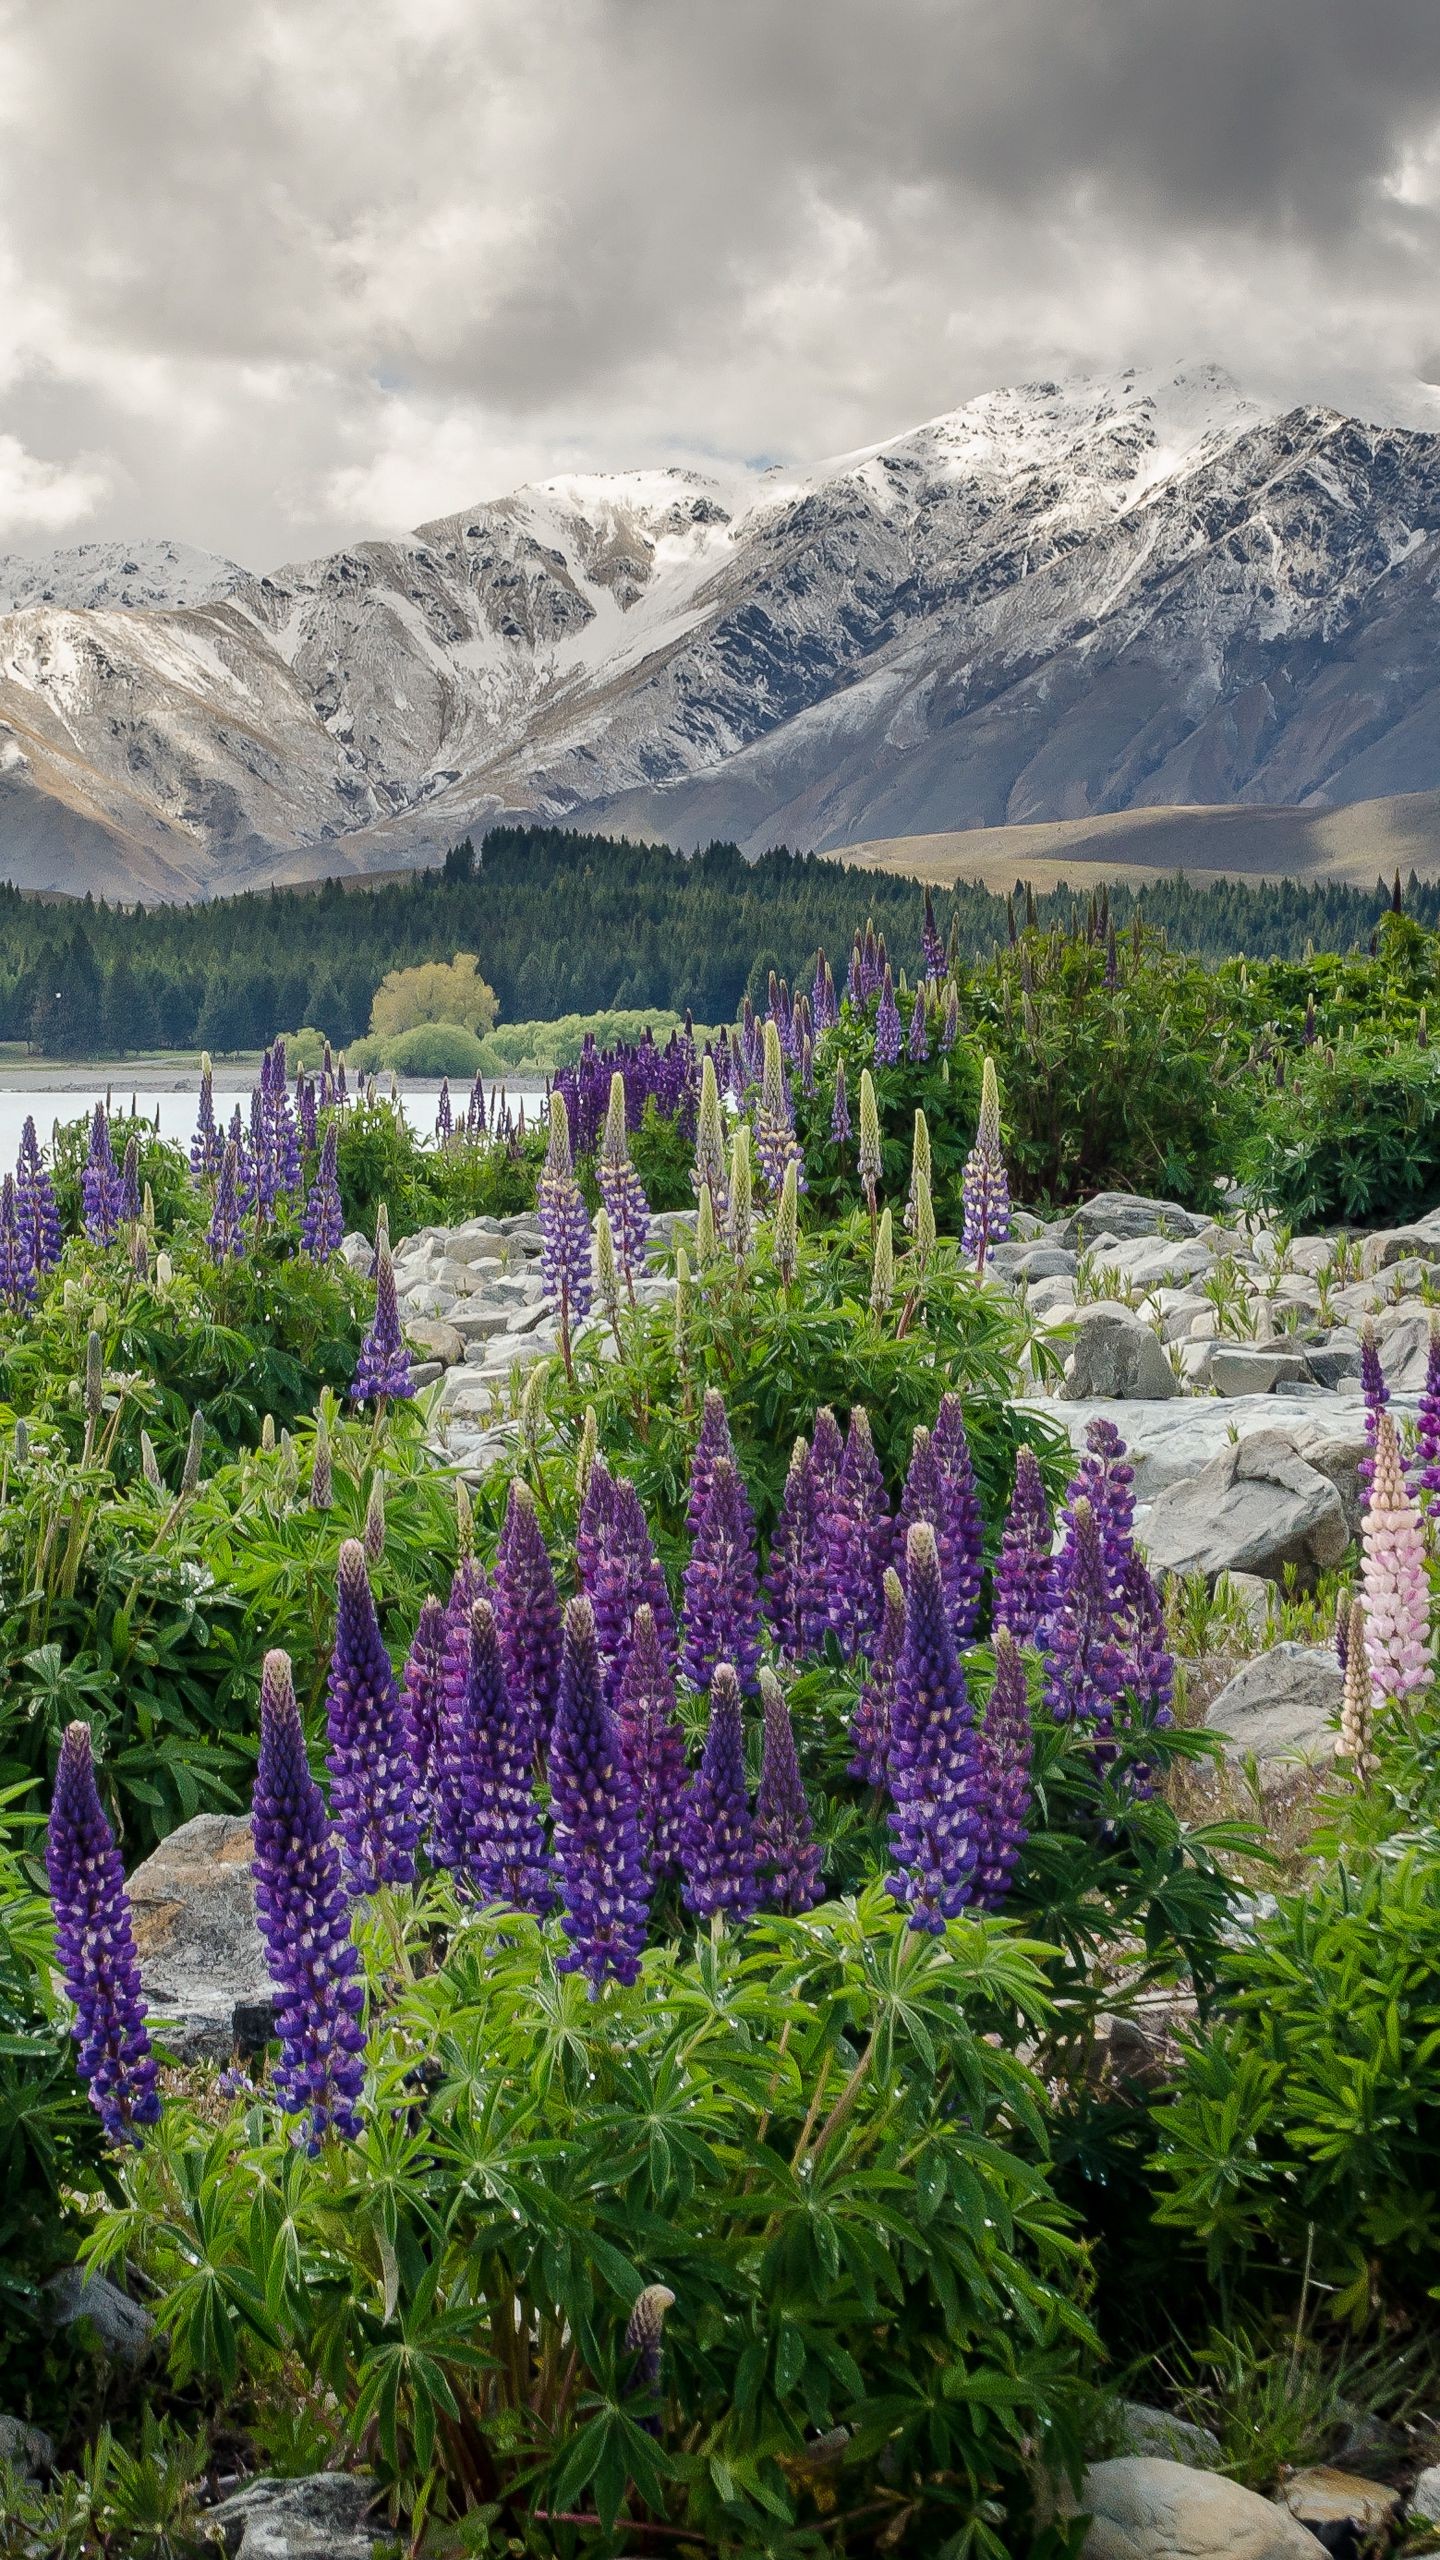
(1282, 1706)
(1116, 1354)
(1256, 1507)
(1145, 2508)
(197, 1937)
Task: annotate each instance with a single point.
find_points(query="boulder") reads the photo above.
(1157, 2431)
(1324, 2497)
(27, 2449)
(1403, 1336)
(1282, 1706)
(323, 2518)
(1042, 1262)
(1116, 1354)
(196, 1935)
(1242, 1369)
(1144, 2508)
(1396, 1244)
(437, 1339)
(124, 2328)
(1425, 2496)
(1254, 1508)
(1124, 1215)
(359, 1253)
(1332, 1364)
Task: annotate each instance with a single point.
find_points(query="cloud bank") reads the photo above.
(274, 277)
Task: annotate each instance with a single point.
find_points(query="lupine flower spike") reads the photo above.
(603, 1893)
(527, 1608)
(36, 1205)
(322, 1478)
(1344, 1603)
(840, 1132)
(920, 1168)
(95, 1946)
(652, 1745)
(870, 1731)
(1005, 1750)
(207, 1146)
(786, 1240)
(371, 1772)
(882, 1268)
(790, 1857)
(564, 1232)
(304, 1918)
(1355, 1740)
(1085, 1672)
(739, 1226)
(795, 1577)
(717, 1833)
(937, 1818)
(322, 1228)
(1427, 1428)
(621, 1190)
(1394, 1583)
(1023, 1567)
(860, 1539)
(985, 1187)
(505, 1846)
(722, 1593)
(709, 1170)
(100, 1183)
(422, 1701)
(383, 1368)
(224, 1236)
(887, 1024)
(868, 1162)
(17, 1269)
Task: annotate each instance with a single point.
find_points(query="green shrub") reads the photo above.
(1352, 1137)
(1303, 2133)
(434, 1049)
(808, 2133)
(946, 1089)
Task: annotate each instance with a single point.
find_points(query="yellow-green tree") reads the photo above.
(438, 991)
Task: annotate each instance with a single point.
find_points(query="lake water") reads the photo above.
(174, 1103)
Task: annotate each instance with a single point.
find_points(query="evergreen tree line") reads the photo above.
(560, 924)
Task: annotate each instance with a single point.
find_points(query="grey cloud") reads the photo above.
(280, 262)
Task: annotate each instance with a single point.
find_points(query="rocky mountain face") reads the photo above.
(1056, 601)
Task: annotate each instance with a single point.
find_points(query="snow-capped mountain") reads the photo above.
(1057, 600)
(143, 578)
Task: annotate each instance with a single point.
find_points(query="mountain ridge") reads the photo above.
(1058, 601)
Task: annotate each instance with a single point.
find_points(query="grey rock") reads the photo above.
(1425, 2496)
(1398, 1244)
(1253, 1593)
(1048, 1296)
(1124, 1214)
(27, 2449)
(195, 1931)
(1403, 1336)
(478, 1324)
(1116, 1354)
(1145, 2508)
(424, 1373)
(323, 2518)
(1331, 1363)
(438, 1340)
(1237, 1369)
(1323, 2497)
(358, 1252)
(124, 2328)
(1282, 1706)
(1157, 2431)
(1254, 1508)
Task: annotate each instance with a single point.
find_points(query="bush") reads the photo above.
(434, 1049)
(437, 991)
(945, 1088)
(1352, 1137)
(808, 2133)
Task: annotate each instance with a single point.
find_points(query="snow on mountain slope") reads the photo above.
(147, 576)
(1060, 599)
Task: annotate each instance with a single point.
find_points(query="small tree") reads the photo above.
(436, 991)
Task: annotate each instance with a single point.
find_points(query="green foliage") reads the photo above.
(805, 2133)
(135, 2501)
(380, 1158)
(49, 2135)
(946, 1089)
(427, 1049)
(1351, 1138)
(540, 1047)
(1303, 2132)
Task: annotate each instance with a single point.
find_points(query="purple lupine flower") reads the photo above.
(322, 1229)
(383, 1368)
(130, 1180)
(622, 1191)
(604, 1897)
(951, 1031)
(870, 1729)
(527, 1608)
(224, 1237)
(840, 1132)
(827, 1456)
(444, 1114)
(475, 1108)
(1006, 1744)
(505, 1857)
(422, 1702)
(652, 1745)
(722, 1585)
(859, 1538)
(284, 1137)
(304, 1917)
(1022, 1567)
(1344, 1603)
(937, 1823)
(95, 1947)
(717, 1834)
(264, 1171)
(565, 1239)
(307, 1112)
(1375, 1395)
(822, 994)
(776, 1145)
(1150, 1664)
(35, 1203)
(959, 1529)
(454, 1774)
(795, 1579)
(788, 1854)
(592, 1529)
(17, 1270)
(714, 1442)
(887, 1025)
(207, 1146)
(854, 988)
(872, 967)
(244, 1186)
(1426, 1464)
(100, 1183)
(1085, 1666)
(932, 948)
(917, 1047)
(371, 1773)
(624, 1574)
(1106, 1480)
(985, 1186)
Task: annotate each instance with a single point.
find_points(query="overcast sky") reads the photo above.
(276, 276)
